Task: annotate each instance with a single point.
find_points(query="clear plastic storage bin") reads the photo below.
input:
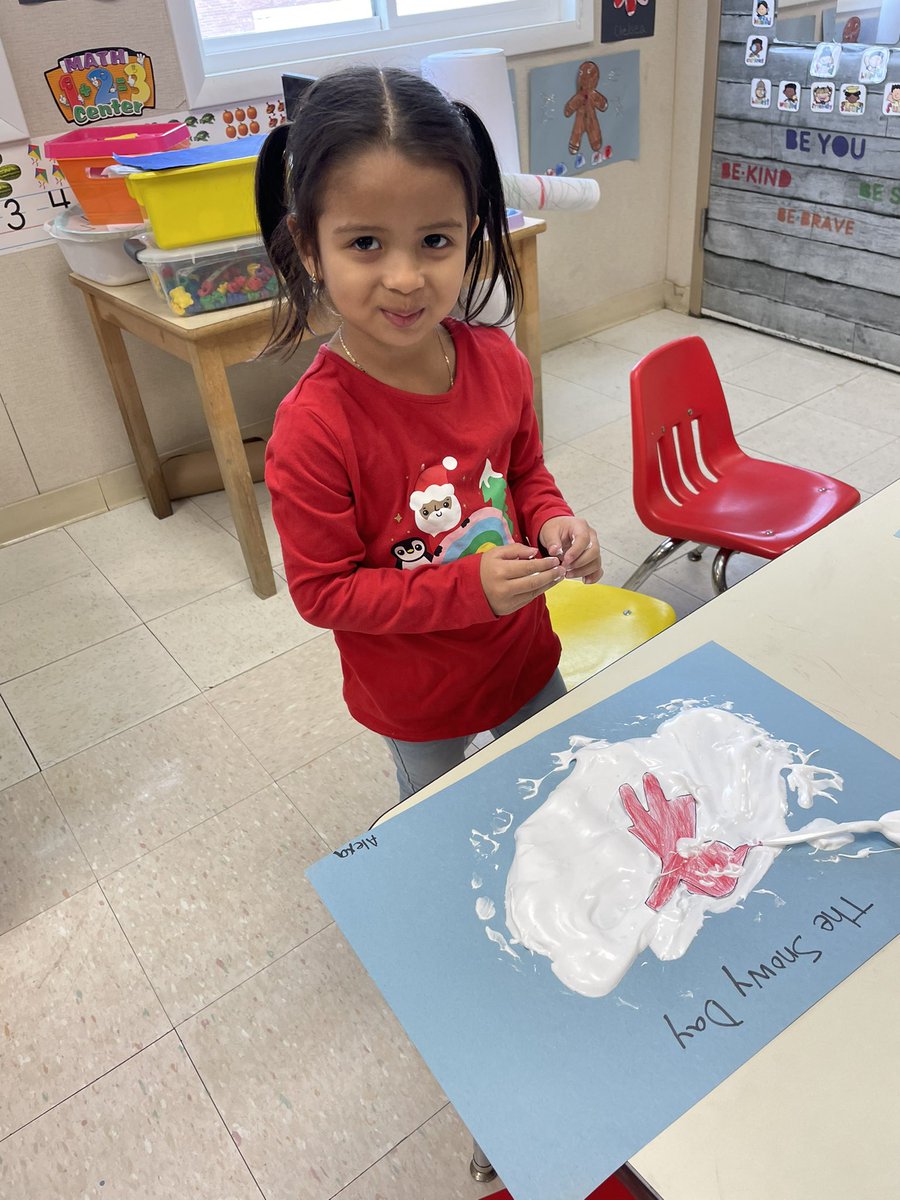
(209, 277)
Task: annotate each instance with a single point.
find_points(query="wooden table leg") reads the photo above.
(131, 406)
(218, 408)
(528, 325)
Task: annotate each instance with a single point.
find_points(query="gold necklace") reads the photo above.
(360, 367)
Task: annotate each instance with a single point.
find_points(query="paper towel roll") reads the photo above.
(538, 193)
(479, 78)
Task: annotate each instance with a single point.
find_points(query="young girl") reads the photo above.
(416, 515)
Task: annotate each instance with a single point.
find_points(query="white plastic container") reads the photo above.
(95, 252)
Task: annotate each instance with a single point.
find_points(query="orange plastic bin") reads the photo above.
(107, 201)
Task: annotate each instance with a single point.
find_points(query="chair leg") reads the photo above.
(651, 562)
(720, 562)
(480, 1167)
(697, 553)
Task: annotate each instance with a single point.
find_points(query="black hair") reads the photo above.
(344, 114)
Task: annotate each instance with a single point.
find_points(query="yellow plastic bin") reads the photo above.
(191, 205)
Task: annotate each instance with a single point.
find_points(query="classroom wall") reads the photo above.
(59, 424)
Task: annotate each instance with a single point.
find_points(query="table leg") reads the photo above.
(128, 398)
(221, 420)
(480, 1167)
(633, 1183)
(528, 324)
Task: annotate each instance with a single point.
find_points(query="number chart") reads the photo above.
(32, 190)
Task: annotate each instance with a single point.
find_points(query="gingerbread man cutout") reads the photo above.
(585, 104)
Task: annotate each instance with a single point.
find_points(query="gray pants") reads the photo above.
(419, 763)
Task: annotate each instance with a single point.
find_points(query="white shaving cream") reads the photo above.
(579, 883)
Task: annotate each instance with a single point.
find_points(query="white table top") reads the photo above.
(812, 1116)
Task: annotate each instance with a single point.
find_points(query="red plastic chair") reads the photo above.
(693, 483)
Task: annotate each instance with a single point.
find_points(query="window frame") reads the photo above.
(254, 68)
(13, 126)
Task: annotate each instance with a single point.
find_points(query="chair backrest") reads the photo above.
(682, 439)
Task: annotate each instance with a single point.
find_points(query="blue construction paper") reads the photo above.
(560, 1089)
(195, 156)
(551, 130)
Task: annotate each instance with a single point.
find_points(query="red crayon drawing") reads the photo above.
(711, 871)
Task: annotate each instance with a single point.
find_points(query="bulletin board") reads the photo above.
(802, 234)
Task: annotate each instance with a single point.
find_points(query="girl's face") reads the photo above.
(392, 240)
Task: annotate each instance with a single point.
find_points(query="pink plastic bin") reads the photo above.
(108, 201)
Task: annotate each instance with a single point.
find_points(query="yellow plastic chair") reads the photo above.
(598, 624)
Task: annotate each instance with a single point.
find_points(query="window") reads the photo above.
(239, 49)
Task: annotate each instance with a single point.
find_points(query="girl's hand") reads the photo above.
(576, 545)
(513, 575)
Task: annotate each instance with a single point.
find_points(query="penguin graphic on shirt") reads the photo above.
(410, 553)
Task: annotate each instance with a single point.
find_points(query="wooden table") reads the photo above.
(214, 341)
(812, 1116)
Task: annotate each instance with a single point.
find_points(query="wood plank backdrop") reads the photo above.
(802, 232)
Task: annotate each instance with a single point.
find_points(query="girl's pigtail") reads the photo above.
(489, 245)
(270, 183)
(272, 210)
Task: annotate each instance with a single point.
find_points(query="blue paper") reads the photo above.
(607, 133)
(560, 1089)
(195, 156)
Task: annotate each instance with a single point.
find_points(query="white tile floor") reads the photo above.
(180, 1016)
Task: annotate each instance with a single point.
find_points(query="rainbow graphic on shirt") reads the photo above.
(485, 528)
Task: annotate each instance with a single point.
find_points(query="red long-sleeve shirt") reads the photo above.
(383, 499)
